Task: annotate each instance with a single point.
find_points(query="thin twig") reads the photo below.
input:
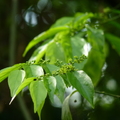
(109, 94)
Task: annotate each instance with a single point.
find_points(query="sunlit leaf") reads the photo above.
(33, 70)
(96, 38)
(38, 93)
(50, 68)
(97, 54)
(82, 82)
(66, 44)
(78, 48)
(6, 71)
(66, 113)
(15, 79)
(80, 19)
(60, 88)
(25, 83)
(62, 21)
(45, 35)
(94, 65)
(54, 52)
(40, 108)
(50, 84)
(78, 44)
(39, 52)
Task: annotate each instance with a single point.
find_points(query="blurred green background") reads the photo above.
(31, 17)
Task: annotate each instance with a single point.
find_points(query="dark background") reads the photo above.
(27, 29)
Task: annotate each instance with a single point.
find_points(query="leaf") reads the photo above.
(54, 52)
(78, 43)
(115, 24)
(66, 44)
(116, 11)
(45, 35)
(82, 82)
(62, 22)
(33, 70)
(39, 52)
(114, 40)
(94, 65)
(60, 88)
(15, 79)
(97, 54)
(80, 19)
(50, 68)
(96, 38)
(38, 93)
(50, 84)
(78, 48)
(66, 114)
(25, 83)
(40, 109)
(6, 71)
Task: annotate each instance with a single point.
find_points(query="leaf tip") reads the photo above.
(12, 99)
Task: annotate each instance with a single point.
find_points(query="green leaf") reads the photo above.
(82, 82)
(33, 70)
(62, 22)
(39, 52)
(116, 11)
(96, 38)
(15, 79)
(60, 88)
(94, 65)
(50, 68)
(38, 93)
(97, 54)
(80, 19)
(6, 71)
(50, 84)
(78, 48)
(25, 83)
(115, 24)
(40, 109)
(45, 35)
(54, 52)
(66, 44)
(66, 113)
(114, 40)
(78, 44)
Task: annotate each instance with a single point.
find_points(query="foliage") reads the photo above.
(59, 62)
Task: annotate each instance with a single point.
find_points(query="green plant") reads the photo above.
(60, 62)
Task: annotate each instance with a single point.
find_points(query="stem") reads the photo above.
(102, 92)
(12, 47)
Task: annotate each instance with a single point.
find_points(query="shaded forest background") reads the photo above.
(33, 17)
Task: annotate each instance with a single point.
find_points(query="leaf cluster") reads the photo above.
(59, 62)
